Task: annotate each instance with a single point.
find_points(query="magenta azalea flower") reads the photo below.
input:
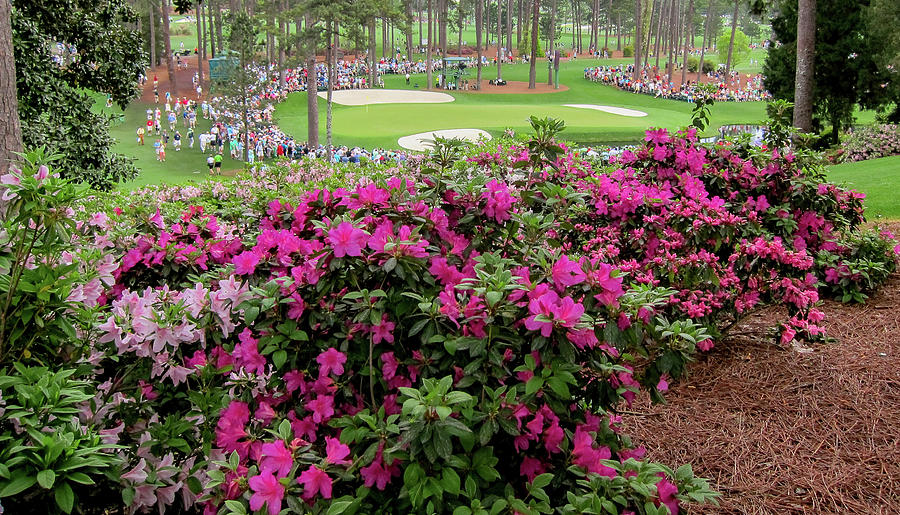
(322, 408)
(331, 361)
(375, 474)
(657, 136)
(567, 272)
(315, 481)
(336, 452)
(347, 240)
(266, 490)
(245, 262)
(276, 458)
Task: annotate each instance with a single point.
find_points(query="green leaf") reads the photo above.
(17, 485)
(533, 385)
(46, 478)
(450, 481)
(279, 358)
(338, 507)
(65, 497)
(542, 480)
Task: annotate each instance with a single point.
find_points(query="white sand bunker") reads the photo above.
(425, 140)
(361, 97)
(621, 111)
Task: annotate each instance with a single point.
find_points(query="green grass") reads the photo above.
(180, 167)
(381, 125)
(878, 179)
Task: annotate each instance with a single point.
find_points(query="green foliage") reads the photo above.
(54, 107)
(778, 126)
(702, 105)
(46, 455)
(865, 260)
(741, 50)
(628, 51)
(37, 317)
(694, 63)
(846, 74)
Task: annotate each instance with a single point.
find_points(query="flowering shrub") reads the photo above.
(860, 263)
(455, 336)
(872, 142)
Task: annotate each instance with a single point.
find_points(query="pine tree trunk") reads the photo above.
(673, 40)
(201, 42)
(209, 28)
(373, 71)
(408, 29)
(420, 26)
(687, 19)
(709, 14)
(167, 44)
(312, 90)
(637, 40)
(552, 38)
(804, 80)
(479, 21)
(619, 32)
(459, 28)
(509, 8)
(10, 128)
(608, 24)
(218, 12)
(519, 18)
(282, 45)
(535, 33)
(663, 5)
(152, 19)
(428, 75)
(499, 39)
(330, 51)
(731, 43)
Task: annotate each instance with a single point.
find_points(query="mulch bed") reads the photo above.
(791, 430)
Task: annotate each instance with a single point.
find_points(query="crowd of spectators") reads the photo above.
(657, 83)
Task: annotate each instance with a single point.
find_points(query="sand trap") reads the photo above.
(425, 140)
(361, 97)
(621, 111)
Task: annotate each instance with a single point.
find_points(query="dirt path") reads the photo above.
(785, 432)
(183, 80)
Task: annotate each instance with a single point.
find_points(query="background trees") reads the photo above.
(99, 51)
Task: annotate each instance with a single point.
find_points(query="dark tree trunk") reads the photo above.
(509, 6)
(479, 21)
(429, 45)
(312, 89)
(218, 12)
(373, 71)
(445, 12)
(687, 19)
(663, 4)
(152, 19)
(10, 129)
(408, 29)
(637, 40)
(619, 31)
(519, 18)
(535, 32)
(201, 42)
(499, 39)
(608, 24)
(209, 29)
(710, 12)
(167, 44)
(804, 80)
(552, 38)
(420, 26)
(734, 16)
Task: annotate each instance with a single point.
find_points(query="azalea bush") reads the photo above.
(872, 142)
(455, 335)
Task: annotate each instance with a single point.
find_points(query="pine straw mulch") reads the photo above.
(791, 430)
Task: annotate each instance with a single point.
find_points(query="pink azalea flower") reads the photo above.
(276, 459)
(322, 408)
(375, 474)
(567, 272)
(331, 361)
(245, 262)
(347, 240)
(336, 452)
(383, 331)
(531, 468)
(666, 491)
(315, 481)
(231, 428)
(266, 490)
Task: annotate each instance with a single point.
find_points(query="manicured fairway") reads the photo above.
(382, 125)
(878, 179)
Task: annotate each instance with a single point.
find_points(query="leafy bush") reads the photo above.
(858, 264)
(872, 142)
(694, 63)
(455, 335)
(47, 455)
(628, 51)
